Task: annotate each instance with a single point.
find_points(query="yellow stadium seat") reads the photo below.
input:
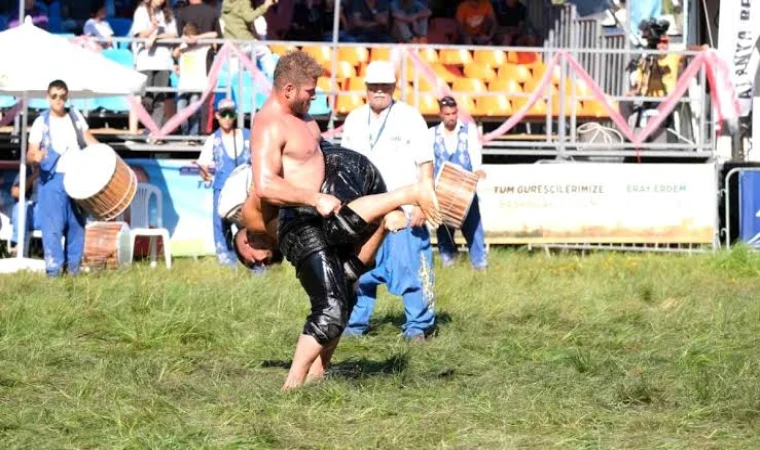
(455, 57)
(594, 108)
(325, 83)
(281, 49)
(570, 108)
(521, 74)
(469, 85)
(344, 70)
(465, 103)
(479, 71)
(353, 55)
(321, 53)
(540, 69)
(491, 58)
(581, 89)
(532, 84)
(348, 102)
(504, 85)
(538, 109)
(428, 104)
(380, 54)
(356, 84)
(493, 106)
(429, 55)
(523, 57)
(444, 73)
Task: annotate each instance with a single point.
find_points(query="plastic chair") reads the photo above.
(521, 74)
(116, 104)
(380, 54)
(455, 57)
(353, 55)
(466, 103)
(140, 222)
(469, 85)
(242, 94)
(281, 49)
(319, 106)
(493, 106)
(479, 71)
(6, 101)
(491, 58)
(348, 102)
(120, 26)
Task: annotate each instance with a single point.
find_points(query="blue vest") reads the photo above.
(460, 156)
(50, 161)
(223, 164)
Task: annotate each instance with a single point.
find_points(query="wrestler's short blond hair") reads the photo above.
(296, 67)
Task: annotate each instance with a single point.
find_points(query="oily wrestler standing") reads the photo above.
(288, 173)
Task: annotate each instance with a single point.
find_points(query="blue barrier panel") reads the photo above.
(749, 207)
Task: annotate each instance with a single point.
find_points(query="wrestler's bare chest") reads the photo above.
(303, 164)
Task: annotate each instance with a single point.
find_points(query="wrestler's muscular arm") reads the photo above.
(268, 139)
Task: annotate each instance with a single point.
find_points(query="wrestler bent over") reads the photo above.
(288, 172)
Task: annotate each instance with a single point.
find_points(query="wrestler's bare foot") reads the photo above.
(307, 351)
(428, 202)
(395, 220)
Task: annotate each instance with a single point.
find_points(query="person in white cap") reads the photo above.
(226, 149)
(395, 137)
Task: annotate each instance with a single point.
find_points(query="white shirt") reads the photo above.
(98, 29)
(63, 136)
(399, 146)
(159, 57)
(206, 157)
(451, 140)
(192, 68)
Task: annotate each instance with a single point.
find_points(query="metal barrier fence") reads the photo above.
(562, 118)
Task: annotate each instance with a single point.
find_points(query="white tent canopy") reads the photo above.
(31, 59)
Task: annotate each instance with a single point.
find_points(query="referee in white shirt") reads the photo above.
(394, 136)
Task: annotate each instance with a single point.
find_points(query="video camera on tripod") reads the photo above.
(653, 30)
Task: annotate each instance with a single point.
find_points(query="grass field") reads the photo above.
(603, 351)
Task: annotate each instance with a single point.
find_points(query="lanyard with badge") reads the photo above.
(382, 126)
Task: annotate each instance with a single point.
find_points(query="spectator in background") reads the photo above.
(31, 9)
(306, 24)
(97, 26)
(344, 29)
(477, 23)
(153, 20)
(458, 143)
(31, 206)
(226, 149)
(206, 19)
(410, 20)
(238, 17)
(512, 23)
(192, 71)
(369, 20)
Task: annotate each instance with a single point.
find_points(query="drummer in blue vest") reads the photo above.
(458, 143)
(55, 132)
(227, 148)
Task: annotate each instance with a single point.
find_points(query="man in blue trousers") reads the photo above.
(458, 143)
(226, 149)
(54, 133)
(31, 207)
(394, 136)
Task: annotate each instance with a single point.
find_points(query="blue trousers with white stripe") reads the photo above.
(404, 263)
(60, 217)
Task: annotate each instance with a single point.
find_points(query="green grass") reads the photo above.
(604, 351)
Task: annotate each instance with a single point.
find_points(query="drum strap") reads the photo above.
(80, 139)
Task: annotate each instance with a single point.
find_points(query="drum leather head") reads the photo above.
(235, 191)
(89, 170)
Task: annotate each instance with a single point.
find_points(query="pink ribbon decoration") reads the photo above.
(213, 75)
(11, 114)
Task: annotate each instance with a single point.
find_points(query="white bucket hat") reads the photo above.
(380, 72)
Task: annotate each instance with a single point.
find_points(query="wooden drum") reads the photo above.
(99, 181)
(455, 188)
(107, 245)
